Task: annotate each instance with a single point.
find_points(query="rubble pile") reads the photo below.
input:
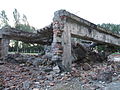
(28, 60)
(19, 75)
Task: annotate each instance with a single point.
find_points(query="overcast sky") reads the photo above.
(40, 12)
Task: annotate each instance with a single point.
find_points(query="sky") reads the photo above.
(40, 12)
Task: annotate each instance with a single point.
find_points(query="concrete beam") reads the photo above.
(92, 34)
(84, 29)
(27, 37)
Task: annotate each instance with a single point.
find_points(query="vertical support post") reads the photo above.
(61, 45)
(0, 48)
(4, 46)
(67, 61)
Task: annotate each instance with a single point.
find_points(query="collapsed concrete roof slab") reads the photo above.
(27, 37)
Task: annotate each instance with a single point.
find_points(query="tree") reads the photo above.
(24, 19)
(16, 16)
(22, 23)
(4, 19)
(115, 28)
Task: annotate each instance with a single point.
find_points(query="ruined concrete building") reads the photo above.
(64, 26)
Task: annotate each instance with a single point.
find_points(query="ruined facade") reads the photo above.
(64, 26)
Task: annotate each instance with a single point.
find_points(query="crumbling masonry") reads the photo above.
(64, 26)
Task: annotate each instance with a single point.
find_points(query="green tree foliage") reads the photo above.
(115, 28)
(16, 16)
(4, 20)
(21, 23)
(24, 19)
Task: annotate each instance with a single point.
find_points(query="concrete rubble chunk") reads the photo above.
(56, 69)
(114, 57)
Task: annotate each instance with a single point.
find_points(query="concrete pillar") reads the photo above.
(4, 46)
(61, 46)
(67, 61)
(0, 47)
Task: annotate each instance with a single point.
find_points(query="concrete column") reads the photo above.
(0, 47)
(61, 46)
(67, 61)
(4, 46)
